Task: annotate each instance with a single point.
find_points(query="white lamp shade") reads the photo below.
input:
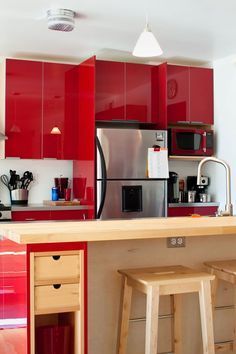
(147, 45)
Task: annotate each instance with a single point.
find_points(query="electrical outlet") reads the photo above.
(175, 242)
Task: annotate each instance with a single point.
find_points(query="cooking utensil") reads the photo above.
(5, 180)
(26, 179)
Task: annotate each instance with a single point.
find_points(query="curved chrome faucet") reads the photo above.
(228, 207)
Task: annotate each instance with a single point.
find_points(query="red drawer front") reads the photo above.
(187, 211)
(49, 215)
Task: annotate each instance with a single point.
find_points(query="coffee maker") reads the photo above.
(200, 189)
(173, 187)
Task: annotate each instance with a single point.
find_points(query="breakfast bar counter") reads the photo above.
(65, 274)
(114, 230)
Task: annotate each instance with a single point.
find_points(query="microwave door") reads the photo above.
(188, 143)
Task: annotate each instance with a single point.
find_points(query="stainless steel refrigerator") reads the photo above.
(123, 189)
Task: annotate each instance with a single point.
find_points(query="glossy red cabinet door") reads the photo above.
(31, 215)
(13, 298)
(189, 95)
(84, 164)
(187, 211)
(139, 84)
(201, 95)
(177, 94)
(110, 90)
(23, 108)
(68, 215)
(58, 95)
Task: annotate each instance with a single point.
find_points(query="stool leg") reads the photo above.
(206, 317)
(234, 339)
(152, 310)
(214, 285)
(125, 314)
(177, 337)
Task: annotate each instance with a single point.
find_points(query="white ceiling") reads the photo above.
(189, 31)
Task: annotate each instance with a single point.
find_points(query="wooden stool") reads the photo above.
(224, 270)
(172, 280)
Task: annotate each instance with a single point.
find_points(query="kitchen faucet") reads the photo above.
(228, 206)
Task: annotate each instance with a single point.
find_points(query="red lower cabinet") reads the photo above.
(43, 298)
(34, 215)
(188, 211)
(13, 298)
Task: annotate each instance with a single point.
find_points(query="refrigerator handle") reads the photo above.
(104, 178)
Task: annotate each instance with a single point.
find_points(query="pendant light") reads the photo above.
(147, 45)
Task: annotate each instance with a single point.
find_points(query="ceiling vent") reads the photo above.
(61, 20)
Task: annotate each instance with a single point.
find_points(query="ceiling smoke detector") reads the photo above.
(61, 19)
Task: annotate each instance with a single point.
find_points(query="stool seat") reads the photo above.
(228, 266)
(170, 280)
(224, 270)
(165, 275)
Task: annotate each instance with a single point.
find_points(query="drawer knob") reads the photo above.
(56, 286)
(56, 258)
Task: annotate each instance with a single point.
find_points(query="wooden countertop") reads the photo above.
(96, 230)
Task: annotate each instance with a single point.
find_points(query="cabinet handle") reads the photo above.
(84, 217)
(30, 219)
(56, 286)
(56, 257)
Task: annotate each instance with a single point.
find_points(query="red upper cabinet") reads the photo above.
(84, 164)
(127, 92)
(110, 90)
(23, 108)
(201, 95)
(57, 112)
(39, 97)
(139, 85)
(189, 95)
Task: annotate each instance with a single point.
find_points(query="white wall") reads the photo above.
(44, 172)
(225, 126)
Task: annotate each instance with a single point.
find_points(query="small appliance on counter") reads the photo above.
(201, 194)
(173, 187)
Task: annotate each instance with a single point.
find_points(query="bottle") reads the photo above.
(55, 193)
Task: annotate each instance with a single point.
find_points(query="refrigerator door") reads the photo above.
(126, 150)
(134, 199)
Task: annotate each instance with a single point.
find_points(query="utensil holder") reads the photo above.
(19, 196)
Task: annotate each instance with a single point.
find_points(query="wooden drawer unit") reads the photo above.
(56, 298)
(54, 267)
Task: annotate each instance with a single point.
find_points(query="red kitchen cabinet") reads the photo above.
(23, 109)
(27, 272)
(127, 92)
(68, 214)
(187, 211)
(84, 164)
(58, 96)
(33, 215)
(13, 298)
(189, 95)
(139, 85)
(39, 97)
(110, 94)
